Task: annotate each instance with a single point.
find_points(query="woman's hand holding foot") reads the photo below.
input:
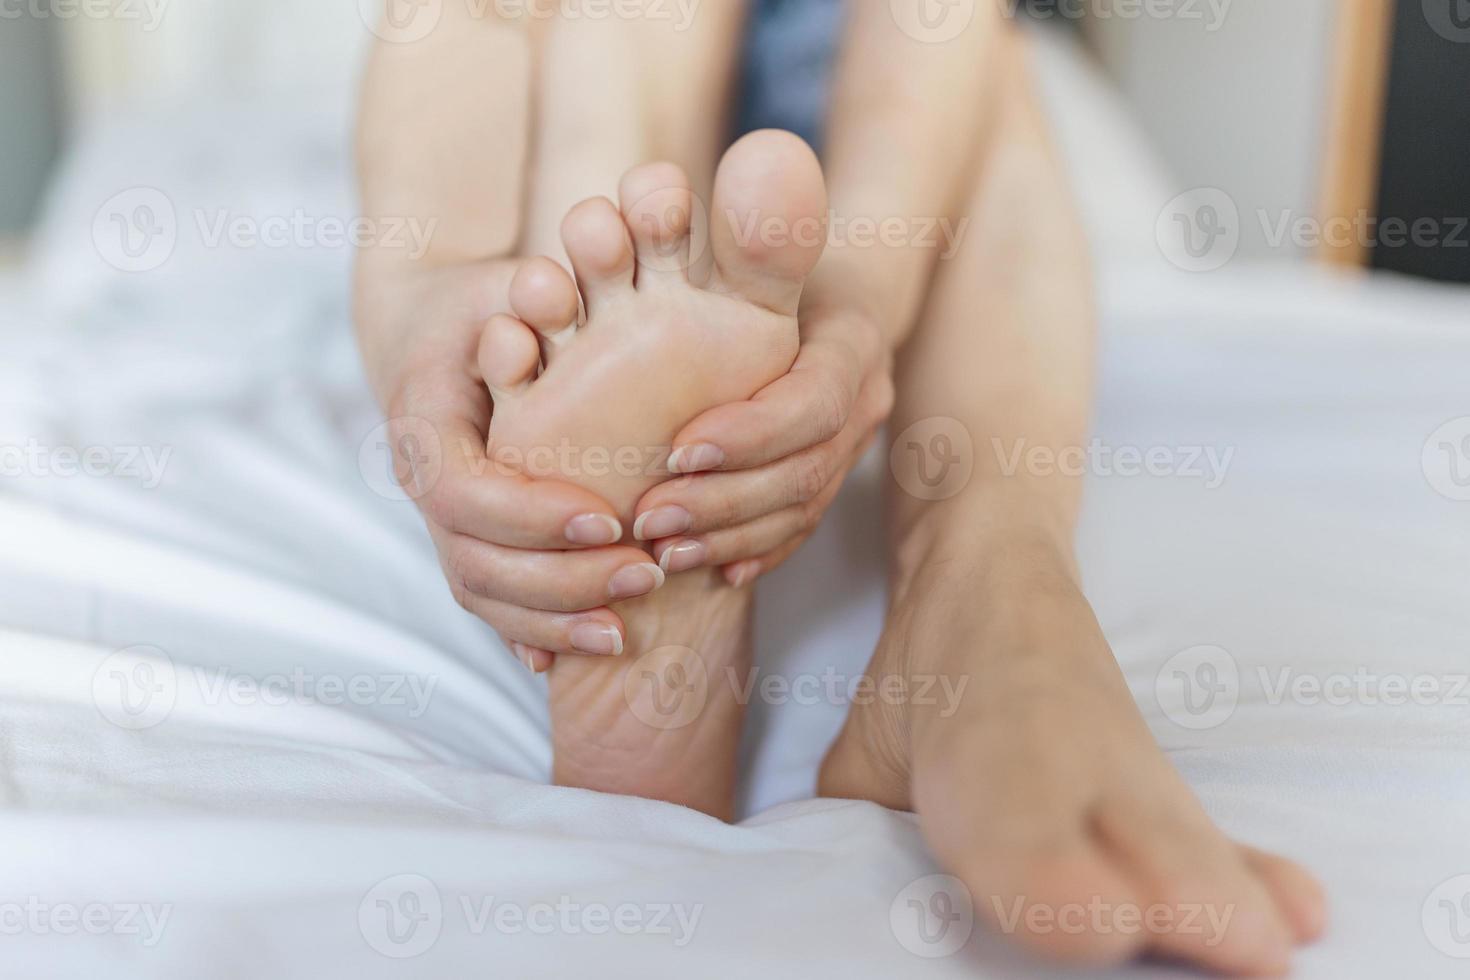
(764, 471)
(536, 559)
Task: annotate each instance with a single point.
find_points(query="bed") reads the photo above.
(247, 732)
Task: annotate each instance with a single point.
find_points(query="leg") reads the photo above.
(1035, 779)
(495, 127)
(633, 374)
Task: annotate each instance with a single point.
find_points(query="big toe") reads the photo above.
(769, 221)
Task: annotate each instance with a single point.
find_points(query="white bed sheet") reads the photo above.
(265, 838)
(265, 828)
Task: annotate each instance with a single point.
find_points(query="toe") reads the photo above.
(544, 296)
(1057, 902)
(596, 240)
(1207, 907)
(1297, 893)
(509, 357)
(768, 227)
(658, 207)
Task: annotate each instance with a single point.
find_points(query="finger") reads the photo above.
(438, 437)
(1208, 908)
(807, 406)
(733, 544)
(749, 540)
(740, 572)
(1298, 894)
(714, 501)
(552, 581)
(534, 660)
(597, 633)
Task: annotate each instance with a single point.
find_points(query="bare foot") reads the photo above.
(1038, 784)
(654, 352)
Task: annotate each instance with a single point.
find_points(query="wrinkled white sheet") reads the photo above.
(255, 832)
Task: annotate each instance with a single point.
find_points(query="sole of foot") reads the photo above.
(593, 376)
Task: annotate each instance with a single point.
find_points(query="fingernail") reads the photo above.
(683, 556)
(662, 522)
(598, 640)
(523, 655)
(696, 458)
(594, 529)
(631, 581)
(741, 573)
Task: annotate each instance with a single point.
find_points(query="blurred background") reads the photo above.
(1295, 110)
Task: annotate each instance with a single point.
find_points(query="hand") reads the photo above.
(766, 470)
(536, 559)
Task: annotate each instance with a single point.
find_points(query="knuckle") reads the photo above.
(456, 564)
(808, 477)
(829, 407)
(457, 588)
(723, 510)
(442, 504)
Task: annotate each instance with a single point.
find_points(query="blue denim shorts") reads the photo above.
(790, 49)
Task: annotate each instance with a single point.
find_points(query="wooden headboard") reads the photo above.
(1399, 141)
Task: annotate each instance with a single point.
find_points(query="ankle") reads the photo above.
(1002, 537)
